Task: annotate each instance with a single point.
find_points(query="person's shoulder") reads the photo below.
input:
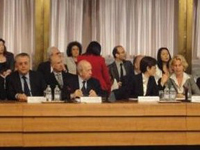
(112, 64)
(94, 80)
(45, 63)
(9, 53)
(12, 75)
(127, 62)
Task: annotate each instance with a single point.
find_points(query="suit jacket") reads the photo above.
(44, 68)
(114, 72)
(120, 93)
(198, 82)
(2, 89)
(72, 84)
(189, 84)
(99, 70)
(13, 84)
(51, 80)
(137, 86)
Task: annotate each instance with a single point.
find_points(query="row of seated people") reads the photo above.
(121, 72)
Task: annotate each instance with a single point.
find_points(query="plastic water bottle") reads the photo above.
(166, 93)
(48, 93)
(172, 93)
(57, 93)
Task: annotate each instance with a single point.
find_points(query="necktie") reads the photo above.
(83, 89)
(26, 89)
(121, 71)
(59, 79)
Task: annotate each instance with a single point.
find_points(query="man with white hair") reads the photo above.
(45, 67)
(83, 84)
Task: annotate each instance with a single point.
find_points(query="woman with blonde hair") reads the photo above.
(179, 79)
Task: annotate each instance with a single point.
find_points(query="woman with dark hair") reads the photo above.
(99, 68)
(163, 59)
(144, 84)
(74, 49)
(6, 60)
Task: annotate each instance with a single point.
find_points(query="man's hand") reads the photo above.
(92, 93)
(22, 97)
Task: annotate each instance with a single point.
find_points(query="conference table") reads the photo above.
(107, 124)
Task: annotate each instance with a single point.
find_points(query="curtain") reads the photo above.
(196, 35)
(17, 25)
(140, 26)
(196, 41)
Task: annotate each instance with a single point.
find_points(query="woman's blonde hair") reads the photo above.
(182, 59)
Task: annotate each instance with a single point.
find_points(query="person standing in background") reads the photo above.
(6, 60)
(121, 70)
(74, 49)
(163, 59)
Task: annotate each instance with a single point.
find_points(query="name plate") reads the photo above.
(195, 99)
(36, 99)
(148, 98)
(90, 99)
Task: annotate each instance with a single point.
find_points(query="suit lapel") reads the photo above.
(140, 85)
(115, 71)
(19, 84)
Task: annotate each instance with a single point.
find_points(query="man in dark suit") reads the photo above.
(45, 67)
(57, 76)
(83, 84)
(121, 70)
(24, 82)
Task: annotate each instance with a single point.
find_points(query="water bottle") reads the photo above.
(48, 93)
(166, 93)
(57, 93)
(172, 93)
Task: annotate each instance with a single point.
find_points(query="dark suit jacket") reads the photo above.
(198, 82)
(120, 93)
(137, 86)
(2, 89)
(72, 84)
(51, 80)
(13, 84)
(44, 68)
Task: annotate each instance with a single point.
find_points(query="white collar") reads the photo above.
(185, 77)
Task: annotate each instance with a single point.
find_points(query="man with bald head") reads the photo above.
(136, 64)
(83, 84)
